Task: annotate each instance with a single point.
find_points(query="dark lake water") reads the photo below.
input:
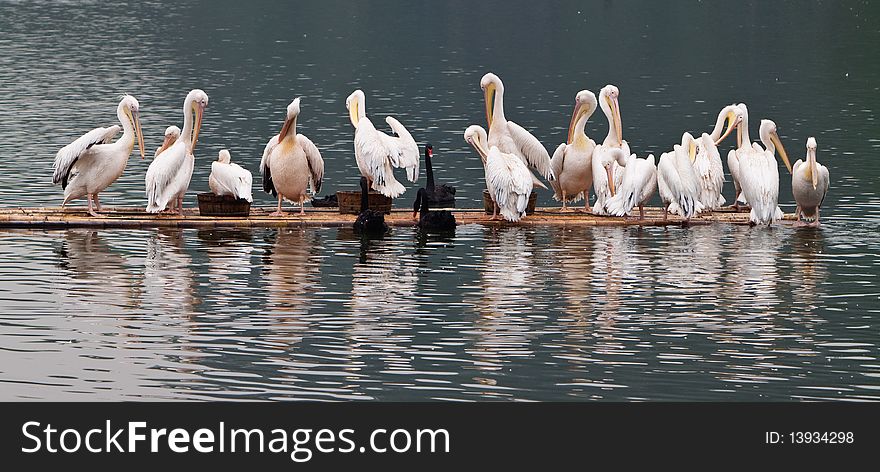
(515, 313)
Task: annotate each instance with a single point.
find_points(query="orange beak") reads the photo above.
(610, 179)
(200, 111)
(136, 117)
(285, 129)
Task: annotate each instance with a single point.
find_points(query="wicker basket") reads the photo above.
(226, 205)
(489, 207)
(350, 202)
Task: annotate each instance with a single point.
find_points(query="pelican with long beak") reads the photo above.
(508, 179)
(809, 185)
(509, 137)
(377, 154)
(292, 166)
(759, 176)
(572, 163)
(169, 174)
(171, 134)
(610, 156)
(92, 162)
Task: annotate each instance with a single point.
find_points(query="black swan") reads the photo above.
(442, 196)
(369, 221)
(437, 220)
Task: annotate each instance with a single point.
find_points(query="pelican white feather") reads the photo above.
(508, 179)
(292, 166)
(228, 178)
(809, 185)
(610, 156)
(169, 174)
(509, 137)
(377, 153)
(759, 175)
(572, 161)
(91, 163)
(677, 180)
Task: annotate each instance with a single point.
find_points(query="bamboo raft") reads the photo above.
(77, 217)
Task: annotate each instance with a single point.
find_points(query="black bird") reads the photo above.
(327, 201)
(442, 196)
(437, 220)
(369, 221)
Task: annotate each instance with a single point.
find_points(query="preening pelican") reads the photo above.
(230, 179)
(171, 134)
(291, 164)
(572, 163)
(637, 185)
(809, 184)
(376, 152)
(169, 174)
(743, 147)
(707, 162)
(759, 175)
(91, 163)
(509, 137)
(508, 179)
(609, 156)
(677, 180)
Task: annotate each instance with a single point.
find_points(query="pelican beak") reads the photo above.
(692, 151)
(615, 113)
(169, 140)
(732, 122)
(352, 113)
(285, 129)
(489, 97)
(136, 117)
(776, 142)
(575, 116)
(200, 111)
(814, 169)
(610, 179)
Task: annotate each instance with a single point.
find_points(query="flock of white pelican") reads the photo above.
(690, 177)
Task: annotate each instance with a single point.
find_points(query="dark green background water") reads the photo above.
(704, 313)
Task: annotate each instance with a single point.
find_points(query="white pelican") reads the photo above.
(291, 164)
(230, 179)
(743, 146)
(171, 134)
(509, 137)
(609, 156)
(637, 185)
(508, 179)
(707, 162)
(809, 184)
(572, 162)
(376, 152)
(677, 180)
(759, 175)
(91, 163)
(169, 174)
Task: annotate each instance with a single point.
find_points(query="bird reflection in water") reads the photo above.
(168, 284)
(508, 308)
(292, 273)
(101, 268)
(384, 306)
(808, 271)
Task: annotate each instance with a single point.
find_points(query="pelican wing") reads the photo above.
(534, 152)
(265, 169)
(162, 171)
(68, 155)
(402, 150)
(759, 180)
(374, 158)
(510, 182)
(557, 163)
(316, 162)
(231, 179)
